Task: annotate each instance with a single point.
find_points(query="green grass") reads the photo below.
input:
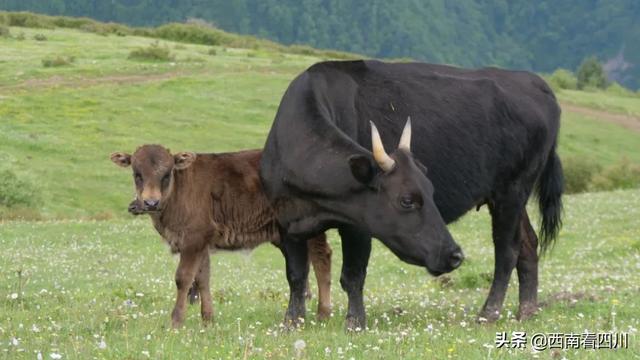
(85, 281)
(600, 142)
(602, 100)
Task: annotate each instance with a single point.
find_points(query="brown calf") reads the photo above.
(206, 202)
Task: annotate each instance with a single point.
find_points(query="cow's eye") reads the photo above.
(407, 202)
(138, 178)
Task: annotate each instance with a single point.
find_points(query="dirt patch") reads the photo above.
(76, 82)
(627, 121)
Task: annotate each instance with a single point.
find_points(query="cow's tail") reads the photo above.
(549, 188)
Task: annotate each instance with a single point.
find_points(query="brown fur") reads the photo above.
(207, 202)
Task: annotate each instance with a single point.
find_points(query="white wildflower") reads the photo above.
(299, 346)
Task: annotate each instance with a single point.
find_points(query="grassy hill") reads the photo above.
(83, 288)
(59, 124)
(542, 35)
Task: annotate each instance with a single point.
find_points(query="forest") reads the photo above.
(521, 34)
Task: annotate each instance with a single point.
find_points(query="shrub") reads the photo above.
(21, 36)
(591, 74)
(563, 79)
(25, 19)
(4, 31)
(578, 172)
(621, 175)
(212, 52)
(302, 50)
(196, 34)
(153, 52)
(39, 37)
(58, 61)
(15, 191)
(619, 90)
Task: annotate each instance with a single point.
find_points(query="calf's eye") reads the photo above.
(165, 179)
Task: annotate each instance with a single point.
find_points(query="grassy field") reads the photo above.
(82, 288)
(618, 103)
(105, 289)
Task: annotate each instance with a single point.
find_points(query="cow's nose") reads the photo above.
(455, 260)
(151, 203)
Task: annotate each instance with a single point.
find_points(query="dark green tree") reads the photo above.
(591, 74)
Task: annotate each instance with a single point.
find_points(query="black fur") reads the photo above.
(486, 136)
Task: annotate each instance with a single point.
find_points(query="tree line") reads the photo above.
(534, 35)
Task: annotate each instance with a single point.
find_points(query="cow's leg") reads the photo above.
(194, 293)
(187, 269)
(527, 269)
(202, 283)
(295, 254)
(506, 211)
(320, 255)
(356, 248)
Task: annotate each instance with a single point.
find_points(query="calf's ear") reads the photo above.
(183, 160)
(362, 168)
(121, 159)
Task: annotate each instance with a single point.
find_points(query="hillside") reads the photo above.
(540, 35)
(59, 124)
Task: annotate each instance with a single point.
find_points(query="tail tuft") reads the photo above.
(549, 189)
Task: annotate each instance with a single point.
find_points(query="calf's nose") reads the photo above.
(151, 203)
(456, 258)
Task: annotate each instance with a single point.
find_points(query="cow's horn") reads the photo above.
(405, 139)
(385, 162)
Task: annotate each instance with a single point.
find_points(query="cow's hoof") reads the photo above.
(488, 316)
(290, 323)
(353, 324)
(527, 310)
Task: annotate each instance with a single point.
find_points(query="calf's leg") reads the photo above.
(202, 284)
(527, 267)
(320, 256)
(356, 249)
(185, 274)
(506, 211)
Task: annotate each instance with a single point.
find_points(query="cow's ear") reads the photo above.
(121, 159)
(362, 168)
(183, 160)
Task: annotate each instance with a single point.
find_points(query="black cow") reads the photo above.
(485, 136)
